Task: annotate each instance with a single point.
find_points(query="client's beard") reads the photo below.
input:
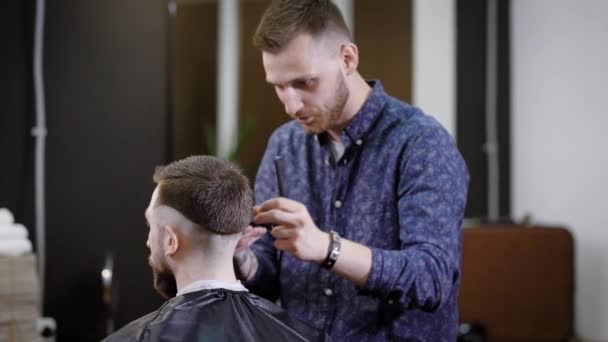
(164, 280)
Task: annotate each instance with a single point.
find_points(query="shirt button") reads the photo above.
(359, 142)
(337, 204)
(328, 292)
(390, 302)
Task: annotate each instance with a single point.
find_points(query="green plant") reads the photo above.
(243, 132)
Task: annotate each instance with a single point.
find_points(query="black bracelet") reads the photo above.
(333, 251)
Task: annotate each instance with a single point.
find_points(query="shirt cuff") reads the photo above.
(376, 275)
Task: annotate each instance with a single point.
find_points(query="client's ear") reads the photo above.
(173, 238)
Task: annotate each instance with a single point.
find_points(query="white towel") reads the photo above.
(13, 237)
(15, 247)
(6, 217)
(14, 231)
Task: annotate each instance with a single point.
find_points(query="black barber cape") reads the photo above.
(217, 315)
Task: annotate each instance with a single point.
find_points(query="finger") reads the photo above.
(278, 217)
(253, 234)
(285, 245)
(258, 231)
(282, 233)
(253, 231)
(282, 203)
(244, 243)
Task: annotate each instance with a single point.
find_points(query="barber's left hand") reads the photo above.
(294, 231)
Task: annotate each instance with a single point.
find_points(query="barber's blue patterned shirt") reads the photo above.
(400, 189)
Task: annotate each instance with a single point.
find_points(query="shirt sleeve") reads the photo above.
(265, 282)
(431, 192)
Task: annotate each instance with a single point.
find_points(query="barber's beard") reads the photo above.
(164, 279)
(330, 117)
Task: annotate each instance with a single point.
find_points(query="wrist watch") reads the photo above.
(333, 251)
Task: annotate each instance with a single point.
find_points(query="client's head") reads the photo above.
(197, 213)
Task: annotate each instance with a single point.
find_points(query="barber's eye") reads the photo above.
(303, 83)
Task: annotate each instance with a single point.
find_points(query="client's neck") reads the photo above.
(197, 267)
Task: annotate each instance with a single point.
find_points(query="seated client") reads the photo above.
(196, 215)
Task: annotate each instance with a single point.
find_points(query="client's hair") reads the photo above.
(209, 191)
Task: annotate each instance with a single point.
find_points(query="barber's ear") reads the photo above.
(350, 57)
(172, 239)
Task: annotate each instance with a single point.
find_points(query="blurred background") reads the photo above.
(129, 85)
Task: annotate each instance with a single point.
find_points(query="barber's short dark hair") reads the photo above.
(209, 191)
(283, 20)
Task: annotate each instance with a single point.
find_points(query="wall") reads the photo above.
(560, 163)
(105, 66)
(16, 110)
(383, 34)
(193, 53)
(434, 54)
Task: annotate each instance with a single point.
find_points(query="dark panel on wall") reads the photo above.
(193, 48)
(504, 106)
(470, 99)
(383, 33)
(16, 110)
(471, 102)
(107, 130)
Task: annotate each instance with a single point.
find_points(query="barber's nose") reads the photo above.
(293, 107)
(291, 101)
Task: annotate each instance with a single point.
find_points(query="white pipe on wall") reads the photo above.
(39, 133)
(491, 144)
(227, 77)
(347, 9)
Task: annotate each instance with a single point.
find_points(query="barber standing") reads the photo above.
(367, 238)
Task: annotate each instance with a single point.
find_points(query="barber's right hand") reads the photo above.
(250, 235)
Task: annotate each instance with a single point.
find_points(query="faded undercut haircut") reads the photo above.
(209, 191)
(283, 20)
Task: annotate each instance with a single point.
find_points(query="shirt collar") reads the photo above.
(209, 285)
(367, 115)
